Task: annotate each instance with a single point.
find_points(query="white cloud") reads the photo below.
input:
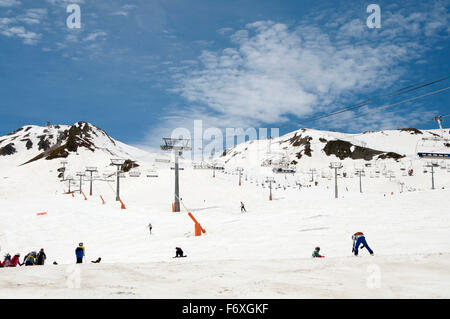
(33, 16)
(93, 36)
(6, 29)
(9, 3)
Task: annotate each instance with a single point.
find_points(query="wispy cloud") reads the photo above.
(275, 71)
(9, 3)
(124, 10)
(9, 28)
(93, 36)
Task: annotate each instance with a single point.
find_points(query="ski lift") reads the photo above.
(434, 147)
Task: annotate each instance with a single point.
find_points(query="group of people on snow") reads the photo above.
(359, 241)
(30, 259)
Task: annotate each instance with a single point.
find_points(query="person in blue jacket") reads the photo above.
(79, 253)
(360, 239)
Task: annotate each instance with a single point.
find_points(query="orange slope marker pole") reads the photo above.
(73, 195)
(40, 214)
(198, 228)
(122, 205)
(84, 195)
(103, 201)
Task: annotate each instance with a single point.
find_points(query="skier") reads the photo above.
(80, 253)
(150, 228)
(243, 207)
(30, 258)
(15, 261)
(358, 239)
(97, 261)
(41, 257)
(179, 252)
(316, 254)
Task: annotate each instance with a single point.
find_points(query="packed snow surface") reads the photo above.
(262, 253)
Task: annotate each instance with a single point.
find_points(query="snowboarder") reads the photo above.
(179, 252)
(15, 261)
(316, 254)
(41, 257)
(243, 207)
(150, 228)
(359, 239)
(80, 253)
(30, 259)
(97, 261)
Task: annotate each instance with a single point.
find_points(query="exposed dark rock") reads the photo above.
(9, 149)
(29, 143)
(18, 130)
(343, 150)
(28, 128)
(128, 165)
(298, 140)
(390, 155)
(44, 144)
(323, 140)
(412, 130)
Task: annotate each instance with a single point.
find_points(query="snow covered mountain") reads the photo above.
(309, 148)
(262, 253)
(32, 143)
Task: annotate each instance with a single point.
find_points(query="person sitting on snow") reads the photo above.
(6, 261)
(41, 257)
(359, 239)
(15, 261)
(316, 254)
(97, 261)
(179, 252)
(30, 259)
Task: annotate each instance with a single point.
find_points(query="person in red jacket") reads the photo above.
(6, 261)
(316, 254)
(15, 261)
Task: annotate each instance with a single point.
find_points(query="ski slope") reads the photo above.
(263, 253)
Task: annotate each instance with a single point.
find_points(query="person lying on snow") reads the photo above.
(99, 259)
(316, 254)
(359, 239)
(15, 261)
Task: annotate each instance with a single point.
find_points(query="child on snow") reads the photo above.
(79, 253)
(6, 261)
(30, 259)
(179, 252)
(41, 257)
(15, 261)
(316, 254)
(359, 239)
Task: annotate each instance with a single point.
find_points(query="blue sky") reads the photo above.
(139, 69)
